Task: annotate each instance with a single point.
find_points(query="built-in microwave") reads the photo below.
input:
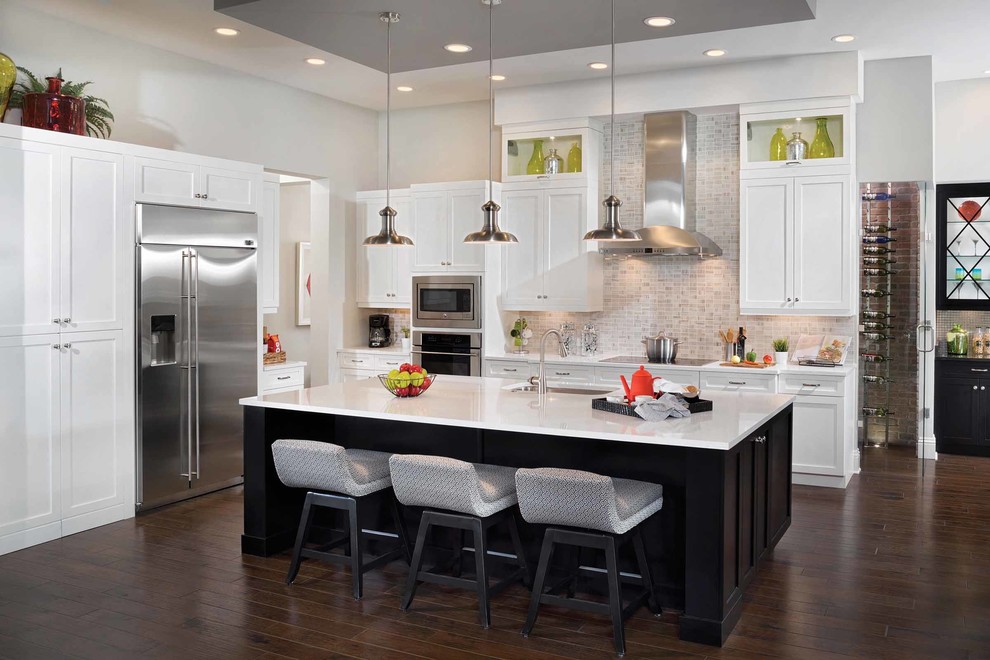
(446, 301)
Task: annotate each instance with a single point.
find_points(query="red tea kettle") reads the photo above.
(642, 384)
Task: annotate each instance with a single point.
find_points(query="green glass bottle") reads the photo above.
(535, 165)
(574, 158)
(778, 145)
(821, 146)
(8, 75)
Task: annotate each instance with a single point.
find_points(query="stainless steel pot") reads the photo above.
(661, 348)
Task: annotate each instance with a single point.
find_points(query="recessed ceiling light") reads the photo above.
(458, 48)
(659, 21)
(227, 32)
(598, 66)
(315, 61)
(498, 77)
(404, 88)
(714, 52)
(843, 38)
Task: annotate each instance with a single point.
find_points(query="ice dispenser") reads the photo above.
(162, 339)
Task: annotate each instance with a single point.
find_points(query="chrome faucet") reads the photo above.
(540, 380)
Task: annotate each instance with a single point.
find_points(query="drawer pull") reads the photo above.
(358, 361)
(737, 382)
(507, 369)
(811, 384)
(283, 378)
(980, 371)
(562, 373)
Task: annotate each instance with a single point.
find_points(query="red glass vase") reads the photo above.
(54, 111)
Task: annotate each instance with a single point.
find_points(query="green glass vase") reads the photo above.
(574, 158)
(778, 145)
(535, 165)
(821, 146)
(8, 75)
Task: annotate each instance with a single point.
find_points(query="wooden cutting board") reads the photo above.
(746, 365)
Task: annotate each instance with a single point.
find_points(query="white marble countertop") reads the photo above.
(598, 360)
(484, 403)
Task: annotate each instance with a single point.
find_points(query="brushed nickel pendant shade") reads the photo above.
(611, 230)
(490, 232)
(388, 236)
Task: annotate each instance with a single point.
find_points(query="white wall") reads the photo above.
(438, 143)
(962, 130)
(895, 122)
(162, 99)
(294, 214)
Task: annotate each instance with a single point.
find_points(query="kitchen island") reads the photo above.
(726, 473)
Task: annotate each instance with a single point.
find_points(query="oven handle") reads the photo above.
(472, 353)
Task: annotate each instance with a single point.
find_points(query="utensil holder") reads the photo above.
(728, 351)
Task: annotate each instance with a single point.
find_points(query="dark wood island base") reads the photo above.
(724, 510)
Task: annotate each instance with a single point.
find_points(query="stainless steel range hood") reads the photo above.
(669, 208)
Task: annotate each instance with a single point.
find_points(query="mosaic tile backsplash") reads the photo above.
(688, 298)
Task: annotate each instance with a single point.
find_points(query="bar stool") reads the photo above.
(464, 496)
(591, 511)
(337, 478)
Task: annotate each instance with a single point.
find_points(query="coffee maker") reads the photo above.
(379, 334)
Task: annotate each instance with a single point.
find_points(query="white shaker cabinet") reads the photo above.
(92, 241)
(442, 215)
(796, 246)
(185, 183)
(30, 226)
(384, 277)
(30, 507)
(269, 245)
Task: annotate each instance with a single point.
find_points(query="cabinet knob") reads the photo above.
(797, 300)
(55, 347)
(56, 321)
(983, 387)
(788, 300)
(66, 320)
(974, 387)
(67, 346)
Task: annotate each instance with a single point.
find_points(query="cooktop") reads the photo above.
(641, 359)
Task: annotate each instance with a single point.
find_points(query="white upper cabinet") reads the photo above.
(185, 183)
(831, 118)
(383, 273)
(577, 143)
(442, 215)
(552, 268)
(30, 227)
(29, 444)
(268, 244)
(93, 238)
(796, 246)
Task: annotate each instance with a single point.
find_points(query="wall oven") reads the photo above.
(455, 354)
(446, 301)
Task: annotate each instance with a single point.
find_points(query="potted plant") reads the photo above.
(60, 105)
(520, 334)
(406, 346)
(780, 347)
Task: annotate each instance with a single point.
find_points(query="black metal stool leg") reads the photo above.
(357, 572)
(301, 534)
(519, 549)
(644, 570)
(615, 596)
(400, 529)
(417, 562)
(546, 554)
(458, 552)
(481, 573)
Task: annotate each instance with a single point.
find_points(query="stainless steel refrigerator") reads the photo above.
(197, 343)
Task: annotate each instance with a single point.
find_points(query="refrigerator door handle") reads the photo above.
(185, 435)
(194, 276)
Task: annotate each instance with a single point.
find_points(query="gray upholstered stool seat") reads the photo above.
(324, 466)
(438, 482)
(607, 513)
(554, 496)
(468, 497)
(338, 478)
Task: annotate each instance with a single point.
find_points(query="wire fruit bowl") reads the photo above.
(394, 385)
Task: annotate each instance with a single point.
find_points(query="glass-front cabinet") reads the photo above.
(800, 135)
(963, 225)
(561, 150)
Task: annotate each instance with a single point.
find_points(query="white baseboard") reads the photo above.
(28, 537)
(926, 447)
(93, 519)
(821, 480)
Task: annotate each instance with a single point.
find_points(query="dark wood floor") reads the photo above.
(893, 567)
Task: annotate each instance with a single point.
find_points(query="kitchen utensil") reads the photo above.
(730, 336)
(642, 384)
(661, 348)
(722, 335)
(728, 352)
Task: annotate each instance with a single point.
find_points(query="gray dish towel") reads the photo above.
(666, 406)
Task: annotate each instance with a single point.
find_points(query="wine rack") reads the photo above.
(878, 257)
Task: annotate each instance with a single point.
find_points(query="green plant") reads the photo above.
(405, 331)
(780, 345)
(99, 119)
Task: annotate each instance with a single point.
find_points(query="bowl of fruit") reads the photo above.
(407, 381)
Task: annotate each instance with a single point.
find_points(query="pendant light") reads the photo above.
(490, 232)
(611, 230)
(388, 236)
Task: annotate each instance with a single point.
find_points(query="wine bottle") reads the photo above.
(878, 196)
(875, 314)
(741, 343)
(877, 249)
(874, 293)
(877, 272)
(879, 229)
(875, 336)
(875, 325)
(874, 357)
(878, 261)
(870, 411)
(878, 380)
(878, 239)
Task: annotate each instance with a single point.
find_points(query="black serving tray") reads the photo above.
(694, 405)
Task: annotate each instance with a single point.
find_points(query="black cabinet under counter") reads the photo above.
(962, 404)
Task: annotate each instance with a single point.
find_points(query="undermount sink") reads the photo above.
(587, 391)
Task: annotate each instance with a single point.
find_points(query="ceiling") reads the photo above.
(951, 31)
(352, 29)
